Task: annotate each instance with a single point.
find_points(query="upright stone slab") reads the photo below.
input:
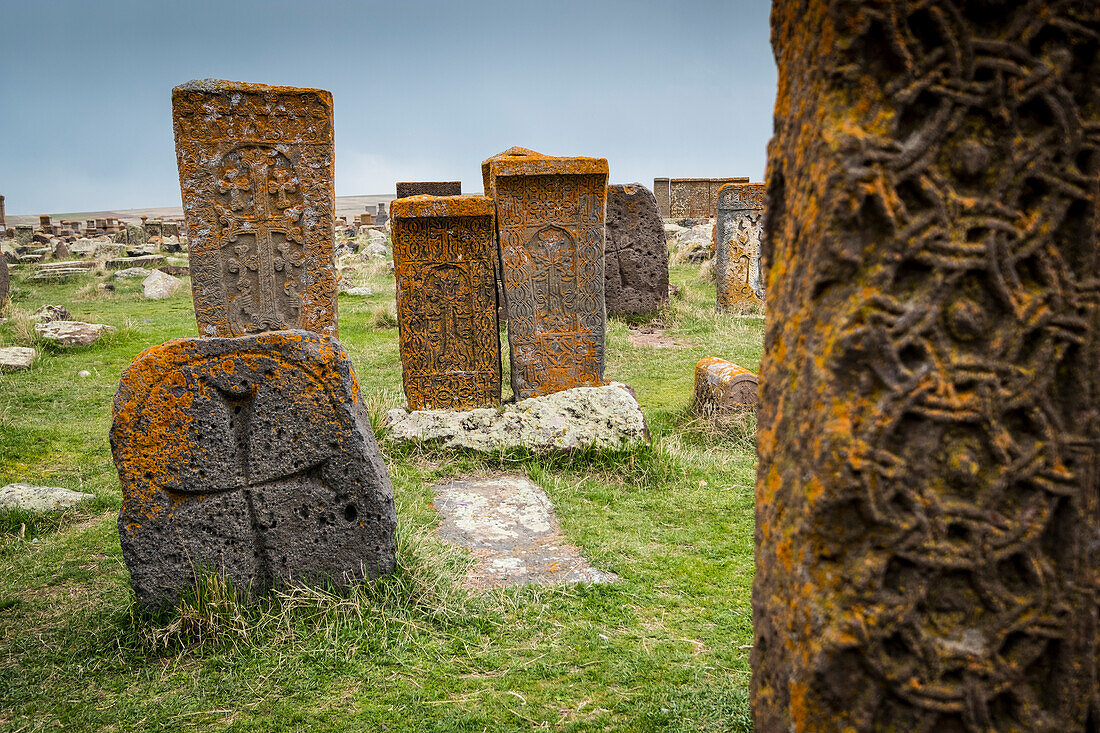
(427, 188)
(256, 172)
(737, 236)
(927, 509)
(550, 225)
(696, 198)
(5, 279)
(443, 256)
(383, 216)
(661, 191)
(636, 265)
(253, 456)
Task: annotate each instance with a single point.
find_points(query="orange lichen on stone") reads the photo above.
(550, 226)
(444, 259)
(253, 456)
(737, 233)
(256, 175)
(722, 387)
(926, 504)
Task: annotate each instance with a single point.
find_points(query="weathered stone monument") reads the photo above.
(636, 262)
(5, 279)
(443, 256)
(737, 237)
(256, 172)
(550, 226)
(723, 388)
(427, 188)
(661, 192)
(696, 198)
(3, 215)
(927, 507)
(382, 216)
(251, 456)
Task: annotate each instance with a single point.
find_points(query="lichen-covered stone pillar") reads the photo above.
(928, 514)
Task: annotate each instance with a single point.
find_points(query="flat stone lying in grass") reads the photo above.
(583, 417)
(509, 524)
(14, 358)
(40, 498)
(133, 273)
(72, 333)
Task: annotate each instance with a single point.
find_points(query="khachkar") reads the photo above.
(250, 456)
(443, 255)
(927, 506)
(636, 265)
(550, 226)
(737, 235)
(405, 189)
(256, 172)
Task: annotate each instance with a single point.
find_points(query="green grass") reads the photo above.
(664, 649)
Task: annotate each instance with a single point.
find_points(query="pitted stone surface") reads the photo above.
(578, 418)
(722, 387)
(636, 263)
(406, 189)
(509, 524)
(256, 174)
(251, 455)
(72, 333)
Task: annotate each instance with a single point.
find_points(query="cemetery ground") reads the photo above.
(664, 648)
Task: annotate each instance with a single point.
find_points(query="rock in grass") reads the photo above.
(50, 313)
(14, 358)
(362, 290)
(40, 498)
(583, 417)
(72, 333)
(160, 285)
(132, 272)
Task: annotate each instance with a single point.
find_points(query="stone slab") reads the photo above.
(16, 358)
(72, 333)
(256, 175)
(696, 197)
(40, 498)
(550, 229)
(5, 280)
(160, 285)
(636, 261)
(427, 188)
(574, 419)
(444, 257)
(509, 525)
(125, 263)
(737, 234)
(722, 388)
(252, 455)
(661, 193)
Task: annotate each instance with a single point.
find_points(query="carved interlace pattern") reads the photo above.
(932, 488)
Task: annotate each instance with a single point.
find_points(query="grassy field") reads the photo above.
(664, 649)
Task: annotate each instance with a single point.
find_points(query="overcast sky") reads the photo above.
(423, 89)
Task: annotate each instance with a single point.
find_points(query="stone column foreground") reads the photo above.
(444, 255)
(927, 524)
(550, 226)
(252, 456)
(737, 234)
(256, 174)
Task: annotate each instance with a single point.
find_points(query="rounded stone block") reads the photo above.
(252, 456)
(722, 387)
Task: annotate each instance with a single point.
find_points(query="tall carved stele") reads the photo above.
(737, 234)
(256, 174)
(444, 260)
(928, 526)
(550, 225)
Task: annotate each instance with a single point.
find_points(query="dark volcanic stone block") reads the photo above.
(428, 188)
(927, 512)
(5, 278)
(252, 456)
(636, 262)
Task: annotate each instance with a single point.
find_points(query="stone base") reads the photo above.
(582, 417)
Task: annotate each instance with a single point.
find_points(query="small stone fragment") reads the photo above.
(15, 358)
(50, 313)
(722, 388)
(72, 333)
(83, 373)
(40, 498)
(159, 285)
